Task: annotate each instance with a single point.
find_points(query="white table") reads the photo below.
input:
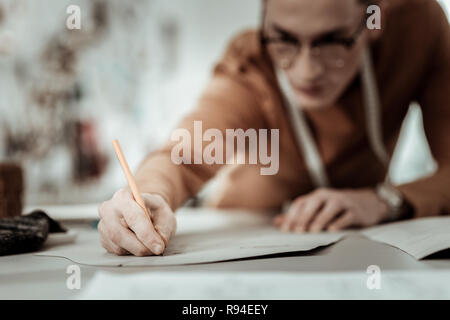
(27, 276)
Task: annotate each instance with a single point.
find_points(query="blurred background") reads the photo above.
(130, 73)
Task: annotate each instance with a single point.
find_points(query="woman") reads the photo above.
(338, 93)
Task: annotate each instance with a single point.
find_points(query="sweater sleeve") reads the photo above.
(431, 195)
(228, 102)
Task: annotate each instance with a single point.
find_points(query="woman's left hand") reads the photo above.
(333, 209)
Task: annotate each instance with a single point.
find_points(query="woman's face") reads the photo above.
(326, 63)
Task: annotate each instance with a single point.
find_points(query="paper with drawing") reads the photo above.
(203, 236)
(206, 235)
(417, 237)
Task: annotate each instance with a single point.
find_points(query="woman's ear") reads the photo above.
(376, 19)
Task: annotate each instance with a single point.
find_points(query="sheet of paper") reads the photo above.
(203, 236)
(418, 237)
(267, 285)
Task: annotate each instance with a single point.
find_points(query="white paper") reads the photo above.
(203, 236)
(206, 235)
(267, 285)
(418, 237)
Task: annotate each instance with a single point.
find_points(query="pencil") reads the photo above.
(130, 178)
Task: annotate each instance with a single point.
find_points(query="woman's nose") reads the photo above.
(307, 67)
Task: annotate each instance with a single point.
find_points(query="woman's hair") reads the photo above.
(263, 11)
(368, 2)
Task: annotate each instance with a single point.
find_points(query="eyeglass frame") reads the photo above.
(347, 42)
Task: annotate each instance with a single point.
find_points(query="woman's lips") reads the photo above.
(312, 91)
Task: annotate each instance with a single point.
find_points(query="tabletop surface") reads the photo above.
(27, 276)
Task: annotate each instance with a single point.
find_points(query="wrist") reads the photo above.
(395, 204)
(382, 208)
(158, 199)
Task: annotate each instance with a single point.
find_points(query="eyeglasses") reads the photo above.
(332, 51)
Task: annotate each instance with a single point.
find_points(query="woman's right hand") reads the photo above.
(125, 228)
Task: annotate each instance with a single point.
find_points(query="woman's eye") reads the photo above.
(289, 41)
(331, 41)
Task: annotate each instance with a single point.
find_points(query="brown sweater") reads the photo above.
(412, 63)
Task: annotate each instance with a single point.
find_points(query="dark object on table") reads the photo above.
(26, 233)
(11, 190)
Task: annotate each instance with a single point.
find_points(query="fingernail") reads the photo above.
(157, 248)
(299, 229)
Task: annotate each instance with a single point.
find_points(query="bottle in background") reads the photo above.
(11, 190)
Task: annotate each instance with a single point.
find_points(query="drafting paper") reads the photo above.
(418, 237)
(202, 236)
(206, 235)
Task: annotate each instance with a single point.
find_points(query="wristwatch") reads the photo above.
(394, 200)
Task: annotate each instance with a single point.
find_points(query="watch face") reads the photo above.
(397, 199)
(391, 196)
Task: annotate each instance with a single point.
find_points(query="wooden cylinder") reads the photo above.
(11, 189)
